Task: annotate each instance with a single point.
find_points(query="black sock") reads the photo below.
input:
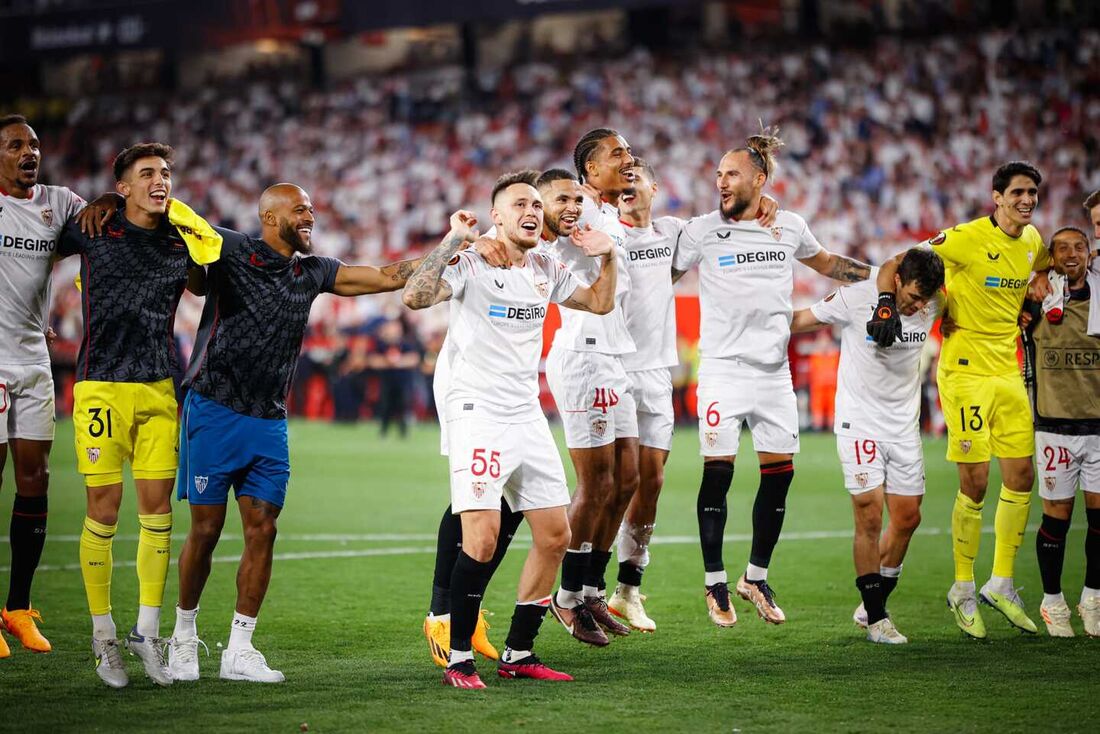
(710, 508)
(630, 574)
(870, 588)
(28, 535)
(889, 583)
(468, 584)
(447, 547)
(1092, 549)
(509, 524)
(597, 567)
(1050, 548)
(574, 567)
(769, 509)
(526, 620)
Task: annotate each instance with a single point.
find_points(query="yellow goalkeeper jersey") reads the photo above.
(987, 275)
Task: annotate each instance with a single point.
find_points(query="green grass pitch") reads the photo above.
(351, 584)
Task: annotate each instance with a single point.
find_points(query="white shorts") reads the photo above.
(592, 392)
(490, 459)
(1064, 462)
(733, 393)
(26, 402)
(868, 464)
(652, 391)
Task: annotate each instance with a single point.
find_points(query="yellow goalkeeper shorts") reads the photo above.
(986, 416)
(116, 422)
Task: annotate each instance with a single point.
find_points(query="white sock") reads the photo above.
(1001, 584)
(891, 572)
(513, 656)
(756, 573)
(240, 634)
(567, 599)
(1087, 593)
(715, 577)
(440, 617)
(460, 656)
(103, 627)
(185, 624)
(1053, 599)
(148, 621)
(590, 591)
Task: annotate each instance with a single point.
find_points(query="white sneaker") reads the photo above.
(626, 602)
(248, 663)
(885, 632)
(108, 662)
(859, 616)
(1089, 610)
(183, 657)
(151, 652)
(1057, 618)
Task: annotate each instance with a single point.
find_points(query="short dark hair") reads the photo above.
(1092, 200)
(587, 145)
(643, 164)
(6, 120)
(551, 175)
(1004, 175)
(1060, 230)
(528, 176)
(127, 158)
(925, 267)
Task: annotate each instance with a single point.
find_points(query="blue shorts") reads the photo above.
(220, 448)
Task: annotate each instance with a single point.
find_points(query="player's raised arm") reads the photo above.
(599, 298)
(425, 287)
(838, 267)
(358, 280)
(803, 320)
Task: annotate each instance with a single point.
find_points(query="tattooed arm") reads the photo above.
(425, 287)
(838, 267)
(358, 280)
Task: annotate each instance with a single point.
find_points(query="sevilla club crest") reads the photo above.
(1050, 483)
(200, 483)
(479, 489)
(93, 454)
(543, 288)
(599, 427)
(711, 438)
(777, 233)
(965, 446)
(47, 216)
(861, 479)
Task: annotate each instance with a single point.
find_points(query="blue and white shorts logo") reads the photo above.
(200, 483)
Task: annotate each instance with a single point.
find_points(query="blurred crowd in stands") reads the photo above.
(884, 144)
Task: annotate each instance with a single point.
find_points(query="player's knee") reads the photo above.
(32, 481)
(555, 541)
(869, 526)
(261, 532)
(1021, 477)
(206, 531)
(907, 520)
(480, 547)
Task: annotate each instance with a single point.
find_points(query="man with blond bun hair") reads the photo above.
(746, 279)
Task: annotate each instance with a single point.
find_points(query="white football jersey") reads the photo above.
(29, 229)
(878, 390)
(650, 305)
(495, 334)
(582, 331)
(746, 278)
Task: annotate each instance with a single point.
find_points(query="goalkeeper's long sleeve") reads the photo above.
(203, 242)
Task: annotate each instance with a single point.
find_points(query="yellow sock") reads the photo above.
(95, 564)
(1009, 526)
(966, 535)
(154, 552)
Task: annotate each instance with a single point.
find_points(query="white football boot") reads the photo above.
(151, 652)
(1089, 610)
(1057, 616)
(248, 663)
(859, 616)
(884, 632)
(108, 662)
(626, 602)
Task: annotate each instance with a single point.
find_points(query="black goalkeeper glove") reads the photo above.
(885, 324)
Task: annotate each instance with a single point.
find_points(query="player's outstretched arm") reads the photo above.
(425, 287)
(359, 280)
(838, 267)
(803, 320)
(599, 298)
